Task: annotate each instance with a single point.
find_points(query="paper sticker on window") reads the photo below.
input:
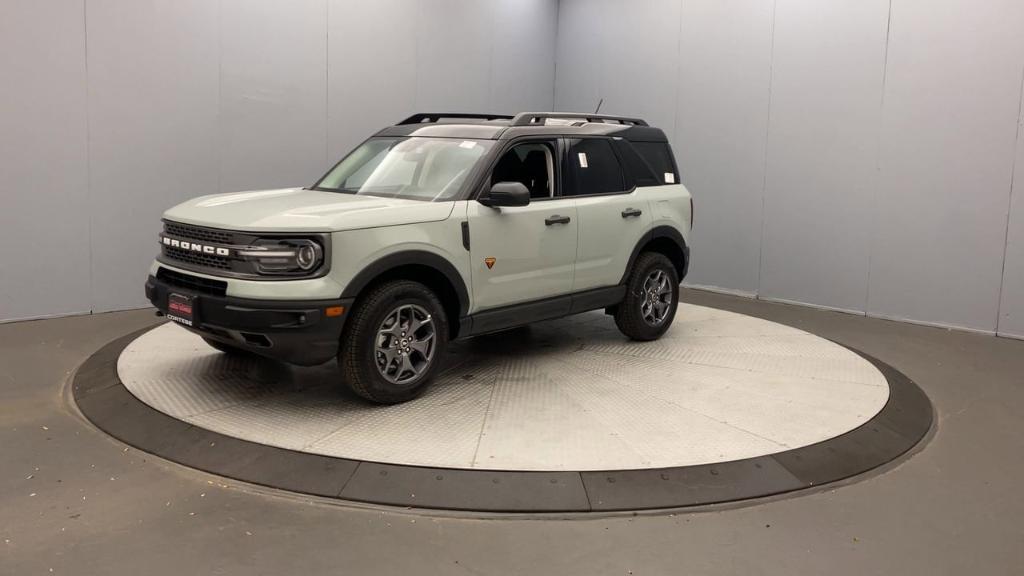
(467, 144)
(670, 178)
(583, 159)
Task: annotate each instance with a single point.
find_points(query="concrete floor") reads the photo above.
(74, 501)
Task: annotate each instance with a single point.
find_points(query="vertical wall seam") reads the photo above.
(220, 96)
(1009, 201)
(878, 160)
(679, 73)
(767, 134)
(416, 59)
(554, 55)
(492, 16)
(88, 154)
(603, 46)
(327, 84)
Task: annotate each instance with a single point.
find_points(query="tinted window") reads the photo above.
(659, 157)
(532, 164)
(636, 167)
(595, 168)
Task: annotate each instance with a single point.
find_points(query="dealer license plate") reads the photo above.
(181, 308)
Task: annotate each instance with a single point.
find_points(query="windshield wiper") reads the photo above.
(342, 190)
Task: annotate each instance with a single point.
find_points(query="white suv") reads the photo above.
(443, 226)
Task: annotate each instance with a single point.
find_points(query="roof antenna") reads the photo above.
(598, 109)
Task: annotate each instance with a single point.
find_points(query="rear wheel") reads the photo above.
(652, 296)
(394, 342)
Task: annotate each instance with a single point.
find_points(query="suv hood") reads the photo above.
(301, 210)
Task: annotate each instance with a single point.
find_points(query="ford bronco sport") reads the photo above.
(443, 226)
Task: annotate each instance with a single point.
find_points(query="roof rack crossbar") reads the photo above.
(427, 117)
(533, 118)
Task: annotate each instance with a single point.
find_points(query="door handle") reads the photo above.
(629, 212)
(556, 219)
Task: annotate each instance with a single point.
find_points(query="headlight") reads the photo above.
(284, 257)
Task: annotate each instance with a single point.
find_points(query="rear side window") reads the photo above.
(594, 168)
(659, 157)
(636, 167)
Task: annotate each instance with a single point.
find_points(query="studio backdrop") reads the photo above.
(851, 154)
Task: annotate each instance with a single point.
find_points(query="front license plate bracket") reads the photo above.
(181, 308)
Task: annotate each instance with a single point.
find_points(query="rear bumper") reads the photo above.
(296, 331)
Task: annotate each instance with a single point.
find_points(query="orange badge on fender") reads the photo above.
(490, 262)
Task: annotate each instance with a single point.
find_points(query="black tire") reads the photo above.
(358, 356)
(630, 313)
(225, 348)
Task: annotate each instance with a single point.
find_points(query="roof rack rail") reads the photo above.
(427, 117)
(531, 118)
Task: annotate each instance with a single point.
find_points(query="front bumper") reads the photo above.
(297, 331)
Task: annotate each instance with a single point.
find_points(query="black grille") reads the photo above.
(193, 283)
(201, 235)
(197, 233)
(208, 241)
(197, 258)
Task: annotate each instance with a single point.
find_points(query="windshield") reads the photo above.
(409, 167)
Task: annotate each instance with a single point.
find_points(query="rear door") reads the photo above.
(613, 216)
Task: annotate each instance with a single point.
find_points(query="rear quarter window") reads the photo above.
(658, 156)
(636, 167)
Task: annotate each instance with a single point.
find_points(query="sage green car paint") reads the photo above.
(532, 260)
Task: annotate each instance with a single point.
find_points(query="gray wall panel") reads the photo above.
(898, 194)
(184, 98)
(615, 51)
(523, 55)
(638, 61)
(719, 140)
(44, 252)
(578, 43)
(826, 91)
(453, 48)
(884, 164)
(371, 75)
(273, 93)
(1011, 311)
(153, 94)
(948, 131)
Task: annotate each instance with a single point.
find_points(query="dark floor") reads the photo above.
(74, 501)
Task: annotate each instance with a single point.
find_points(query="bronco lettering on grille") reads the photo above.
(195, 247)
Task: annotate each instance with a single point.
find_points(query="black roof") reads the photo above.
(504, 127)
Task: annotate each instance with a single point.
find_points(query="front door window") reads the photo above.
(532, 164)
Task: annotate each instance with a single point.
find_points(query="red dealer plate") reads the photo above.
(181, 308)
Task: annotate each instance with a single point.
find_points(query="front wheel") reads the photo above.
(652, 296)
(394, 342)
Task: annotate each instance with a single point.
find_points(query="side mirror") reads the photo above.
(506, 194)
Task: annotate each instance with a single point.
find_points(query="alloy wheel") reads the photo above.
(656, 297)
(404, 345)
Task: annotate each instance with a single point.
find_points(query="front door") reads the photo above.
(524, 253)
